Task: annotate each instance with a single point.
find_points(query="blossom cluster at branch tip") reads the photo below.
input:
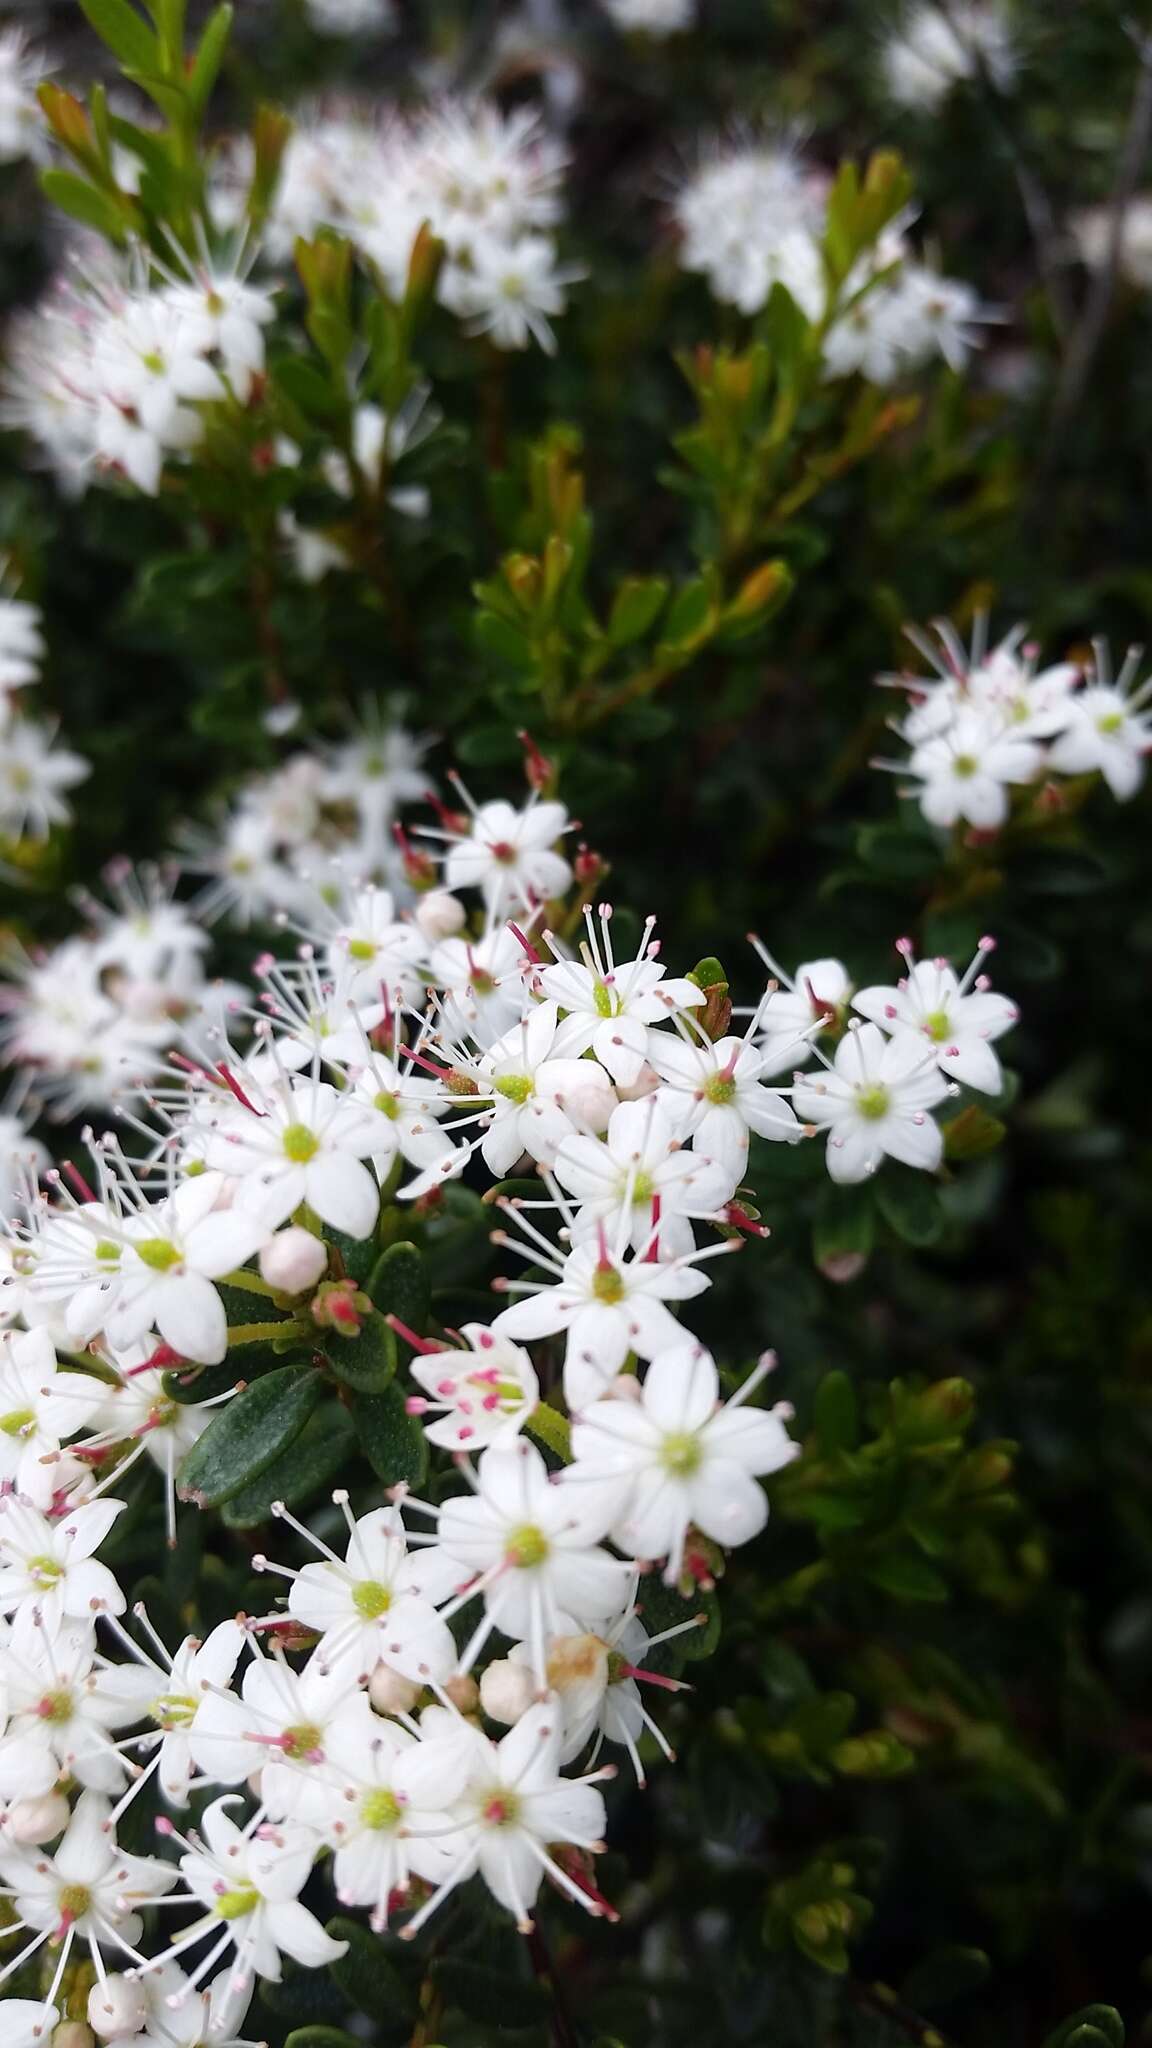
(990, 720)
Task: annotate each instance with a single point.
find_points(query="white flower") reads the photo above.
(86, 1889)
(280, 1728)
(514, 1809)
(1093, 229)
(27, 2021)
(23, 129)
(478, 1396)
(748, 219)
(249, 1886)
(181, 1688)
(368, 1607)
(229, 317)
(639, 1182)
(171, 1256)
(62, 1707)
(607, 1304)
(530, 1547)
(305, 1144)
(150, 371)
(716, 1094)
(33, 775)
(1106, 728)
(874, 1101)
(21, 645)
(609, 1008)
(49, 1566)
(966, 771)
(787, 1017)
(363, 933)
(680, 1460)
(652, 17)
(39, 1407)
(937, 47)
(959, 1018)
(393, 1814)
(178, 2015)
(508, 855)
(537, 1095)
(510, 291)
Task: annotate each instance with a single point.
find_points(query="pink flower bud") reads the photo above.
(390, 1692)
(31, 1821)
(440, 915)
(625, 1387)
(591, 1102)
(507, 1690)
(294, 1260)
(116, 2007)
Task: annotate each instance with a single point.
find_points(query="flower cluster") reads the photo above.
(487, 184)
(113, 371)
(939, 47)
(753, 217)
(21, 128)
(990, 720)
(35, 773)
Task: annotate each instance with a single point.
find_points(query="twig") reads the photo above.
(563, 2031)
(877, 1998)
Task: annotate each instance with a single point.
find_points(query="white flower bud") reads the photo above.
(440, 915)
(293, 1261)
(625, 1387)
(464, 1693)
(31, 1821)
(116, 2007)
(390, 1692)
(590, 1100)
(507, 1690)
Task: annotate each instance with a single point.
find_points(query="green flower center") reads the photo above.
(158, 1253)
(381, 1809)
(873, 1102)
(1111, 722)
(607, 1285)
(300, 1144)
(174, 1710)
(642, 1188)
(514, 1087)
(387, 1104)
(74, 1902)
(602, 997)
(302, 1744)
(680, 1453)
(235, 1905)
(55, 1708)
(19, 1423)
(526, 1547)
(361, 949)
(45, 1571)
(720, 1089)
(107, 1252)
(371, 1599)
(965, 765)
(937, 1024)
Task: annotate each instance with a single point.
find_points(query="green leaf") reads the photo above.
(843, 1230)
(944, 1975)
(188, 1387)
(692, 616)
(907, 1578)
(399, 1285)
(77, 198)
(904, 854)
(209, 57)
(973, 1133)
(492, 1996)
(1094, 2026)
(366, 1362)
(837, 1419)
(309, 1464)
(370, 1980)
(127, 36)
(635, 608)
(242, 1441)
(321, 2037)
(390, 1438)
(909, 1203)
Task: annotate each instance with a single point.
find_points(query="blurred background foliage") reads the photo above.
(912, 1799)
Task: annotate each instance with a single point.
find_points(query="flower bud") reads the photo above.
(339, 1305)
(390, 1692)
(625, 1387)
(440, 915)
(294, 1260)
(116, 2007)
(73, 2034)
(31, 1821)
(588, 1097)
(646, 1082)
(464, 1694)
(507, 1690)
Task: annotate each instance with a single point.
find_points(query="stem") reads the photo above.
(564, 2034)
(249, 1283)
(265, 1333)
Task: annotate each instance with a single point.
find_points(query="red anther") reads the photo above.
(234, 1088)
(529, 948)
